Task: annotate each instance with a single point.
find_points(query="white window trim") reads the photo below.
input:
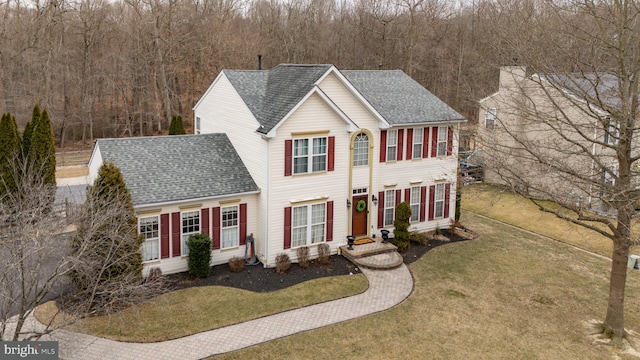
(309, 225)
(146, 239)
(236, 226)
(365, 149)
(438, 198)
(443, 134)
(389, 221)
(184, 236)
(197, 125)
(310, 155)
(612, 132)
(490, 117)
(417, 154)
(415, 215)
(393, 145)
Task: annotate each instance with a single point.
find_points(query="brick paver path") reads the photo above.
(387, 288)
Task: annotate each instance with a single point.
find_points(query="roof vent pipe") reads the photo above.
(259, 61)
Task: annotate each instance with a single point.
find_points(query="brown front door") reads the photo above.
(359, 218)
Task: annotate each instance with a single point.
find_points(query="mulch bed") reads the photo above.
(258, 279)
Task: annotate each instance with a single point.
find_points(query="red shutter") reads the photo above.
(398, 198)
(434, 141)
(243, 223)
(380, 209)
(330, 153)
(215, 236)
(400, 144)
(423, 199)
(287, 228)
(432, 198)
(205, 221)
(288, 157)
(176, 228)
(449, 141)
(164, 236)
(329, 220)
(409, 144)
(425, 143)
(407, 195)
(447, 197)
(383, 146)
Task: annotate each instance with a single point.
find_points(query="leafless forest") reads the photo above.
(109, 68)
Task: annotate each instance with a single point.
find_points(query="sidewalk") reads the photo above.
(386, 289)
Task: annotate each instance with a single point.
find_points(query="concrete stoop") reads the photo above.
(375, 255)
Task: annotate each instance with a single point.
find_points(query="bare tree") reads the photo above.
(566, 136)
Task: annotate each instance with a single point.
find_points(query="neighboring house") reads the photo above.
(519, 110)
(318, 154)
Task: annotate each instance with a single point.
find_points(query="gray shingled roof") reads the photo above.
(598, 88)
(163, 169)
(398, 98)
(271, 94)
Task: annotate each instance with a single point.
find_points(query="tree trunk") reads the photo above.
(614, 322)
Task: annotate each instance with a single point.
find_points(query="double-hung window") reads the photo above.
(439, 201)
(417, 143)
(442, 140)
(197, 125)
(308, 224)
(190, 226)
(361, 150)
(309, 155)
(389, 207)
(148, 229)
(229, 230)
(392, 144)
(611, 132)
(414, 202)
(490, 118)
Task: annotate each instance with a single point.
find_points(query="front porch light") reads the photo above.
(348, 203)
(374, 199)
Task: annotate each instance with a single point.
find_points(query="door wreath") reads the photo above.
(361, 205)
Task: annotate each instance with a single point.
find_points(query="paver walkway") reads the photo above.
(387, 288)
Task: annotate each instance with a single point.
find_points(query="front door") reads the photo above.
(359, 215)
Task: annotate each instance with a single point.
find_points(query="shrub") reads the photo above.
(176, 127)
(323, 253)
(417, 237)
(401, 236)
(199, 255)
(283, 263)
(438, 230)
(236, 264)
(303, 256)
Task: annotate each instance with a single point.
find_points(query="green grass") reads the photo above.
(190, 311)
(508, 294)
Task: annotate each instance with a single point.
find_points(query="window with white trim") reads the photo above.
(148, 229)
(389, 207)
(442, 140)
(361, 150)
(417, 143)
(308, 159)
(197, 125)
(190, 226)
(610, 174)
(490, 118)
(414, 202)
(612, 132)
(229, 226)
(439, 201)
(392, 144)
(308, 224)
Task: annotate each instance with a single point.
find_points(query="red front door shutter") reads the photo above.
(380, 209)
(243, 223)
(434, 141)
(205, 221)
(164, 236)
(329, 221)
(287, 228)
(330, 153)
(215, 228)
(432, 198)
(400, 144)
(383, 146)
(409, 144)
(423, 200)
(176, 227)
(449, 141)
(425, 143)
(288, 157)
(447, 197)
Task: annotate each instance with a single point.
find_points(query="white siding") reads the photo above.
(94, 164)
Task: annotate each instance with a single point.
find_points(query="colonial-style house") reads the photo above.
(298, 155)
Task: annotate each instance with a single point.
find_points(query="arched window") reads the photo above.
(361, 150)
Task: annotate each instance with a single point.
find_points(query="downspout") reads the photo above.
(268, 196)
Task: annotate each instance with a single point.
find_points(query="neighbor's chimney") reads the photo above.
(259, 61)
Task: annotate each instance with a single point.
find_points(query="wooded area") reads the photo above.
(106, 68)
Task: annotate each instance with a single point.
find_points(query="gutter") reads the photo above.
(178, 202)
